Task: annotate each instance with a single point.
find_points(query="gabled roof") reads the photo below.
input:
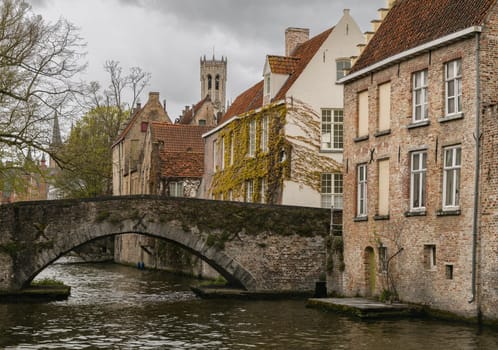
(304, 52)
(282, 64)
(182, 152)
(294, 65)
(137, 112)
(187, 117)
(411, 23)
(250, 99)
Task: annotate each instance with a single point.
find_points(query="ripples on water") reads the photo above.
(119, 307)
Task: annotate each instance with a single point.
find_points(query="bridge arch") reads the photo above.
(35, 234)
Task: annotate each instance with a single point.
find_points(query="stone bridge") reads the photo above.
(257, 247)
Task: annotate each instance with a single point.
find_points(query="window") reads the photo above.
(361, 205)
(202, 121)
(451, 177)
(342, 67)
(264, 133)
(453, 75)
(267, 84)
(252, 138)
(231, 148)
(210, 82)
(263, 187)
(418, 173)
(332, 129)
(420, 105)
(249, 191)
(429, 256)
(222, 152)
(176, 189)
(383, 188)
(331, 190)
(217, 82)
(363, 114)
(384, 107)
(144, 126)
(215, 155)
(449, 272)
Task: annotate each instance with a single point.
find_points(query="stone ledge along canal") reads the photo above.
(118, 307)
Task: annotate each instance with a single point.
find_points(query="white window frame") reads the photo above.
(361, 179)
(331, 190)
(418, 180)
(264, 133)
(342, 65)
(222, 152)
(231, 148)
(263, 188)
(420, 89)
(453, 80)
(451, 177)
(252, 138)
(215, 155)
(332, 129)
(249, 190)
(176, 189)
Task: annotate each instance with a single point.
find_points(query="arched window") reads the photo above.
(217, 82)
(209, 81)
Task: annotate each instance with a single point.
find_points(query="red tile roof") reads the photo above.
(282, 64)
(411, 23)
(250, 99)
(182, 154)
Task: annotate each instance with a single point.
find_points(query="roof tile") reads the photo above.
(411, 23)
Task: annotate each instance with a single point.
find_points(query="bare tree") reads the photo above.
(38, 65)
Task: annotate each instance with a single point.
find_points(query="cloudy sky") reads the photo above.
(167, 37)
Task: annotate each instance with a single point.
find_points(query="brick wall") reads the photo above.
(488, 257)
(450, 234)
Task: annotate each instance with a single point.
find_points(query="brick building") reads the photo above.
(420, 158)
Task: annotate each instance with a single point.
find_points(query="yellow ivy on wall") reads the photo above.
(270, 164)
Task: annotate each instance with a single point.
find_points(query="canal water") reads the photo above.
(118, 307)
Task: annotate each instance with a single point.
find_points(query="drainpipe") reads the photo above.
(477, 136)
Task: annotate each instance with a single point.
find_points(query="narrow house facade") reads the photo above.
(281, 140)
(420, 141)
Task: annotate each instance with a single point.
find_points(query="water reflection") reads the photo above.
(121, 307)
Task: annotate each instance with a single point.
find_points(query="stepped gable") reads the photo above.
(182, 153)
(303, 53)
(411, 23)
(250, 99)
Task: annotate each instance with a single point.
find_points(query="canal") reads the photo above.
(120, 307)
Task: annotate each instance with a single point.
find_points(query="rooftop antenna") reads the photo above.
(213, 52)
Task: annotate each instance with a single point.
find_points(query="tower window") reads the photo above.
(210, 82)
(217, 82)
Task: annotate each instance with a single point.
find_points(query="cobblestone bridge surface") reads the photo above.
(258, 247)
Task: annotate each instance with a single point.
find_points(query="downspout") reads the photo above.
(477, 137)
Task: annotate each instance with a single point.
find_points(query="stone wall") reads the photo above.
(268, 248)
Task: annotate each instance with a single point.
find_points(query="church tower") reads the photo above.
(214, 81)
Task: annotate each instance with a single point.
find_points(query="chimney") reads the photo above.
(294, 37)
(154, 96)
